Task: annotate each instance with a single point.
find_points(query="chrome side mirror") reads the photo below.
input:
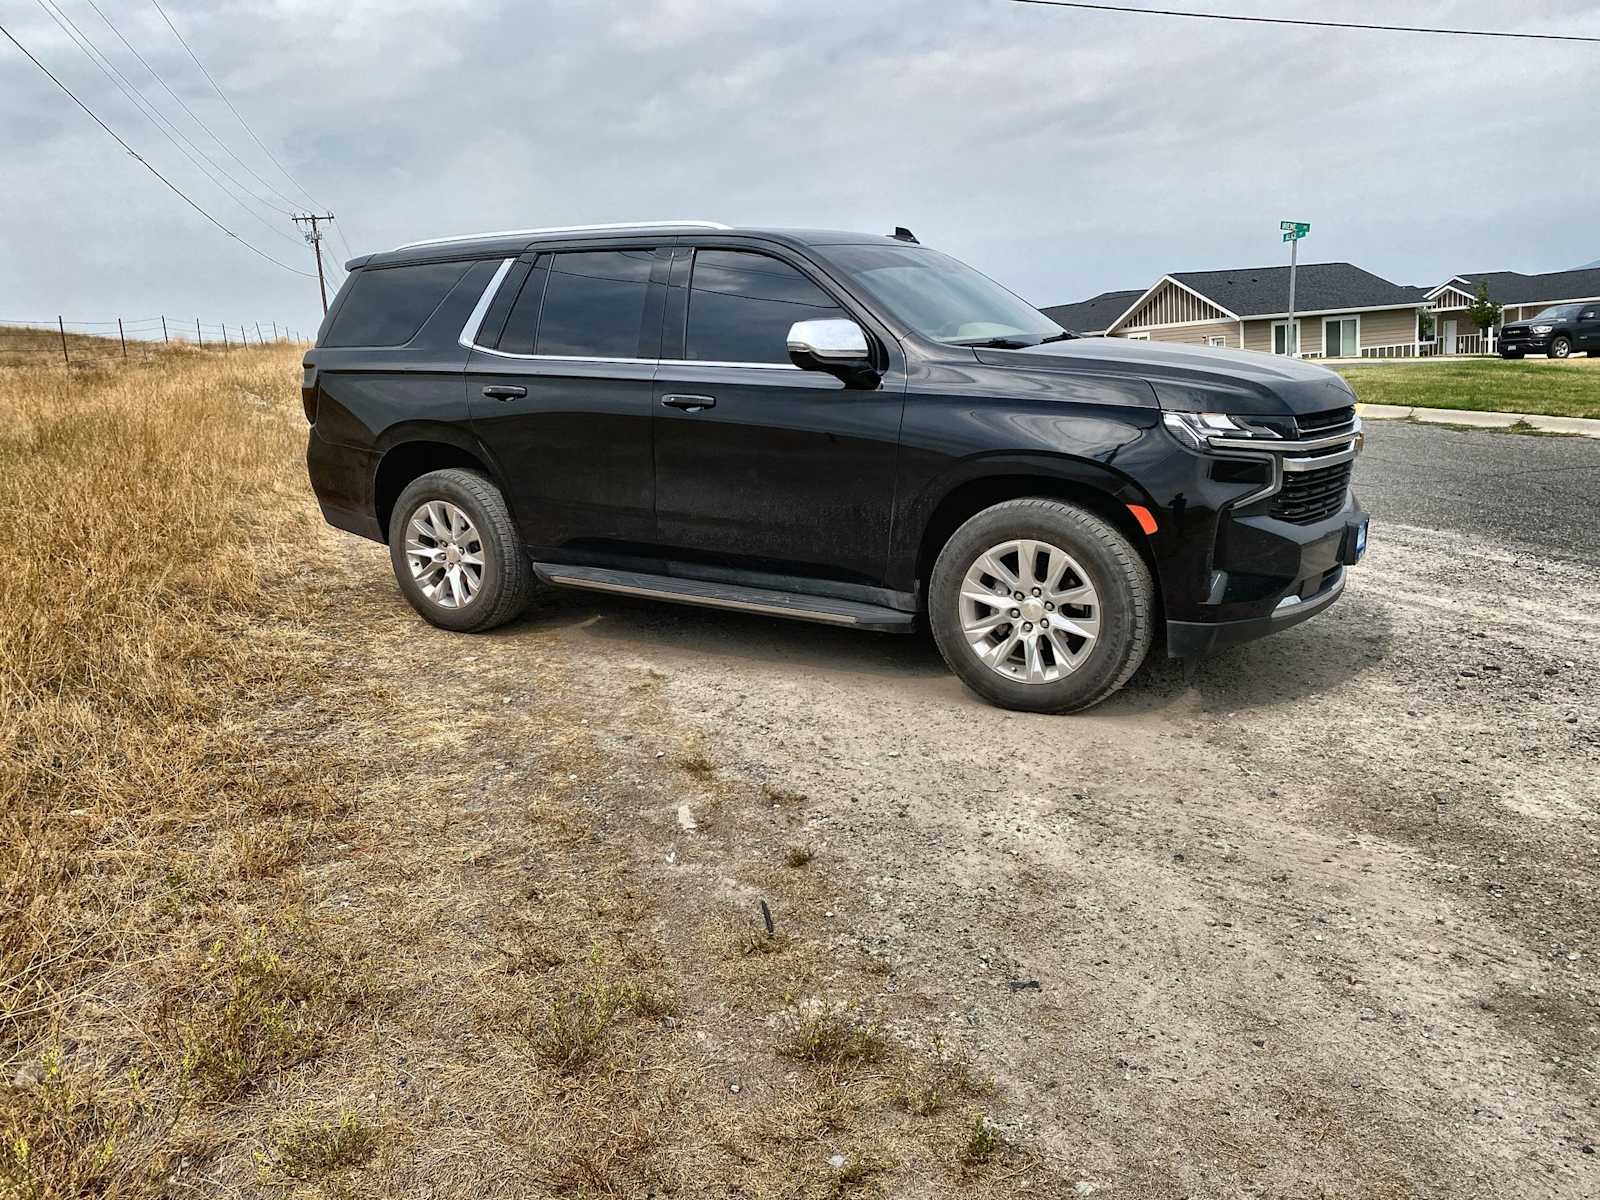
(834, 345)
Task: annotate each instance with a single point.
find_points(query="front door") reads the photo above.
(760, 466)
(559, 387)
(1447, 336)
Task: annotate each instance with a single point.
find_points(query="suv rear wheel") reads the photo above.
(455, 552)
(1041, 606)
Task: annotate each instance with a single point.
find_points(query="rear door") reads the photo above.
(559, 387)
(760, 466)
(1588, 332)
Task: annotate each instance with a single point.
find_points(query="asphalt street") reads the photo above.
(1542, 493)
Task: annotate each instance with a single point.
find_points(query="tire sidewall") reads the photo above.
(1073, 530)
(1564, 342)
(440, 486)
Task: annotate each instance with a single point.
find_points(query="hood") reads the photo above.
(1192, 378)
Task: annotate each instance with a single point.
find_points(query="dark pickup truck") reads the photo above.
(832, 427)
(1557, 332)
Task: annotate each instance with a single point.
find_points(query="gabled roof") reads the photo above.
(1513, 287)
(1319, 287)
(1094, 315)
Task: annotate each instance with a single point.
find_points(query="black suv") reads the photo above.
(1557, 332)
(832, 427)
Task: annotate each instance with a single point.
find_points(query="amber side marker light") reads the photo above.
(1142, 515)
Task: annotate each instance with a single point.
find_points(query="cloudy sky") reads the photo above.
(1064, 152)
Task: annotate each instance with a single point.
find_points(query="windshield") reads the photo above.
(1560, 312)
(941, 298)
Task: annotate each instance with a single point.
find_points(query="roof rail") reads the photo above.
(470, 237)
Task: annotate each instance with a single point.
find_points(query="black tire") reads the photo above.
(1114, 567)
(507, 583)
(1561, 347)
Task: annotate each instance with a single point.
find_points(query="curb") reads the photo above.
(1582, 426)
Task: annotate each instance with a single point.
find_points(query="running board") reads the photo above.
(767, 601)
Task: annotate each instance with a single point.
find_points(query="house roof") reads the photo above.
(1513, 287)
(1319, 287)
(1094, 315)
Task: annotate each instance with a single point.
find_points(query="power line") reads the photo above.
(170, 185)
(193, 116)
(231, 108)
(1208, 16)
(149, 112)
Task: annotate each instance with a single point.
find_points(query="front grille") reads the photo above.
(1514, 331)
(1311, 423)
(1309, 496)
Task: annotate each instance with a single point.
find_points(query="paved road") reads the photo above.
(1542, 493)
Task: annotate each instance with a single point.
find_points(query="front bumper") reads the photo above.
(1538, 343)
(1310, 561)
(1245, 557)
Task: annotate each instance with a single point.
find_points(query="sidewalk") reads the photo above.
(1582, 426)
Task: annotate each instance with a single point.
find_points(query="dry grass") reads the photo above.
(133, 499)
(254, 882)
(834, 1037)
(313, 1149)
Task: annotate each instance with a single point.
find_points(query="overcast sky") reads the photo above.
(1063, 152)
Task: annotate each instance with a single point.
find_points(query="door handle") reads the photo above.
(689, 403)
(505, 391)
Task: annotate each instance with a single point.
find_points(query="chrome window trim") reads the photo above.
(469, 331)
(710, 362)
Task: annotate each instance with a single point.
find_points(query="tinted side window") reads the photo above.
(494, 317)
(386, 307)
(523, 320)
(593, 304)
(742, 304)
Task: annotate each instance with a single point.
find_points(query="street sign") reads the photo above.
(1293, 231)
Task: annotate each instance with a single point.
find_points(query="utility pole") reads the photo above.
(314, 236)
(1293, 231)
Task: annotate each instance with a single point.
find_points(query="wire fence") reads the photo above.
(77, 343)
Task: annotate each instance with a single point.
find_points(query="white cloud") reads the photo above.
(1063, 152)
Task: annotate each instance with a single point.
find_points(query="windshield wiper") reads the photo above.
(996, 343)
(1063, 336)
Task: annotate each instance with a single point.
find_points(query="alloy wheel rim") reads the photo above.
(1029, 611)
(445, 553)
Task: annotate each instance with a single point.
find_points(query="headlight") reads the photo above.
(1195, 429)
(1543, 328)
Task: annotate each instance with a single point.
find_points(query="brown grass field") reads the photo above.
(278, 921)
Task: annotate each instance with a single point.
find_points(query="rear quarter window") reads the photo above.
(387, 307)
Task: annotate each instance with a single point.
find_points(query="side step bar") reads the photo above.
(767, 601)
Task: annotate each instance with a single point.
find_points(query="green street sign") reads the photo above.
(1294, 230)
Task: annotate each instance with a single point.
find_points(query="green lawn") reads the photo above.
(1553, 389)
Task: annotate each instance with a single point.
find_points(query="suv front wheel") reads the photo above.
(456, 554)
(1041, 606)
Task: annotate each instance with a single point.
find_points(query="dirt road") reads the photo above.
(1320, 921)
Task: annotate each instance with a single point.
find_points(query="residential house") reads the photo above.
(1091, 318)
(1341, 311)
(1522, 296)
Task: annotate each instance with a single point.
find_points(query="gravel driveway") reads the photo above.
(1320, 920)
